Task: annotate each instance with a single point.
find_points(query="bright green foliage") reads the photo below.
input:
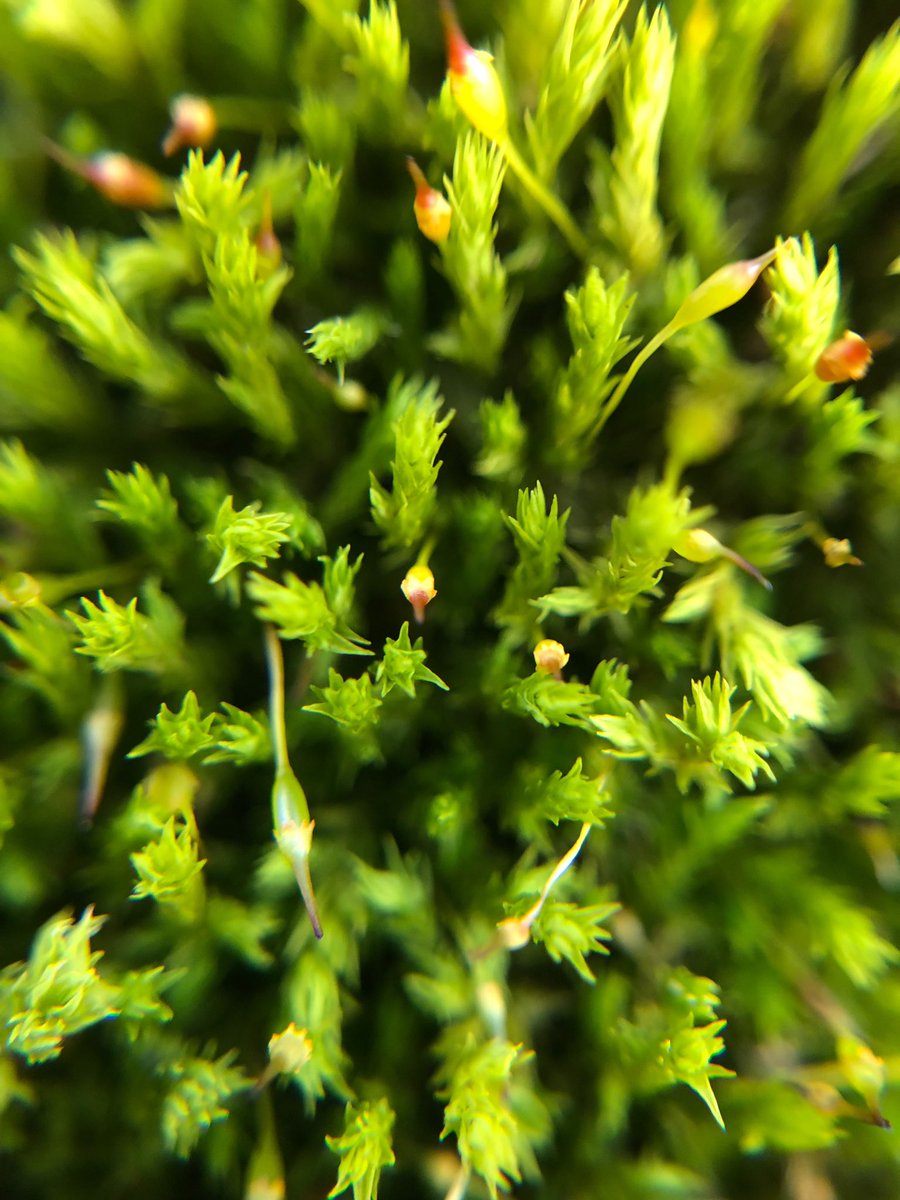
(314, 215)
(236, 320)
(551, 701)
(36, 389)
(67, 285)
(572, 797)
(118, 637)
(632, 223)
(43, 644)
(475, 1081)
(201, 1088)
(707, 743)
(403, 665)
(405, 513)
(710, 723)
(857, 107)
(380, 62)
(226, 429)
(570, 931)
(302, 610)
(145, 503)
(178, 735)
(315, 1005)
(503, 439)
(247, 536)
(345, 339)
(169, 868)
(470, 260)
(539, 533)
(241, 738)
(365, 1148)
(353, 704)
(37, 499)
(639, 547)
(801, 315)
(573, 80)
(595, 315)
(59, 991)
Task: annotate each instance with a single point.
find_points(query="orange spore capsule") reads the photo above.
(431, 208)
(848, 358)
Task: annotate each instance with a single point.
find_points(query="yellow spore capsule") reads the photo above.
(474, 83)
(418, 587)
(551, 657)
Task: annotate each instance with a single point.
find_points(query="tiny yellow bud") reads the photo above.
(474, 83)
(418, 587)
(431, 208)
(289, 1051)
(839, 553)
(847, 358)
(193, 124)
(551, 657)
(514, 933)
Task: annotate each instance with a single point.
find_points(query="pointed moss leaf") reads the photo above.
(301, 610)
(799, 320)
(239, 738)
(687, 1060)
(570, 931)
(404, 513)
(345, 339)
(119, 637)
(364, 1147)
(201, 1088)
(574, 79)
(572, 797)
(596, 315)
(551, 701)
(247, 536)
(178, 735)
(59, 992)
(539, 534)
(380, 63)
(351, 703)
(477, 1111)
(169, 869)
(144, 502)
(403, 665)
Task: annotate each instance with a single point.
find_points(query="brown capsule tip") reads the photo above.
(459, 50)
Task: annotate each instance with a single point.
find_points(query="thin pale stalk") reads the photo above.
(552, 205)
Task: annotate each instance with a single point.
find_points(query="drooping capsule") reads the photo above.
(193, 124)
(849, 357)
(431, 208)
(120, 179)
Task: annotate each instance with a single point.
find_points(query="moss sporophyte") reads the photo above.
(400, 426)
